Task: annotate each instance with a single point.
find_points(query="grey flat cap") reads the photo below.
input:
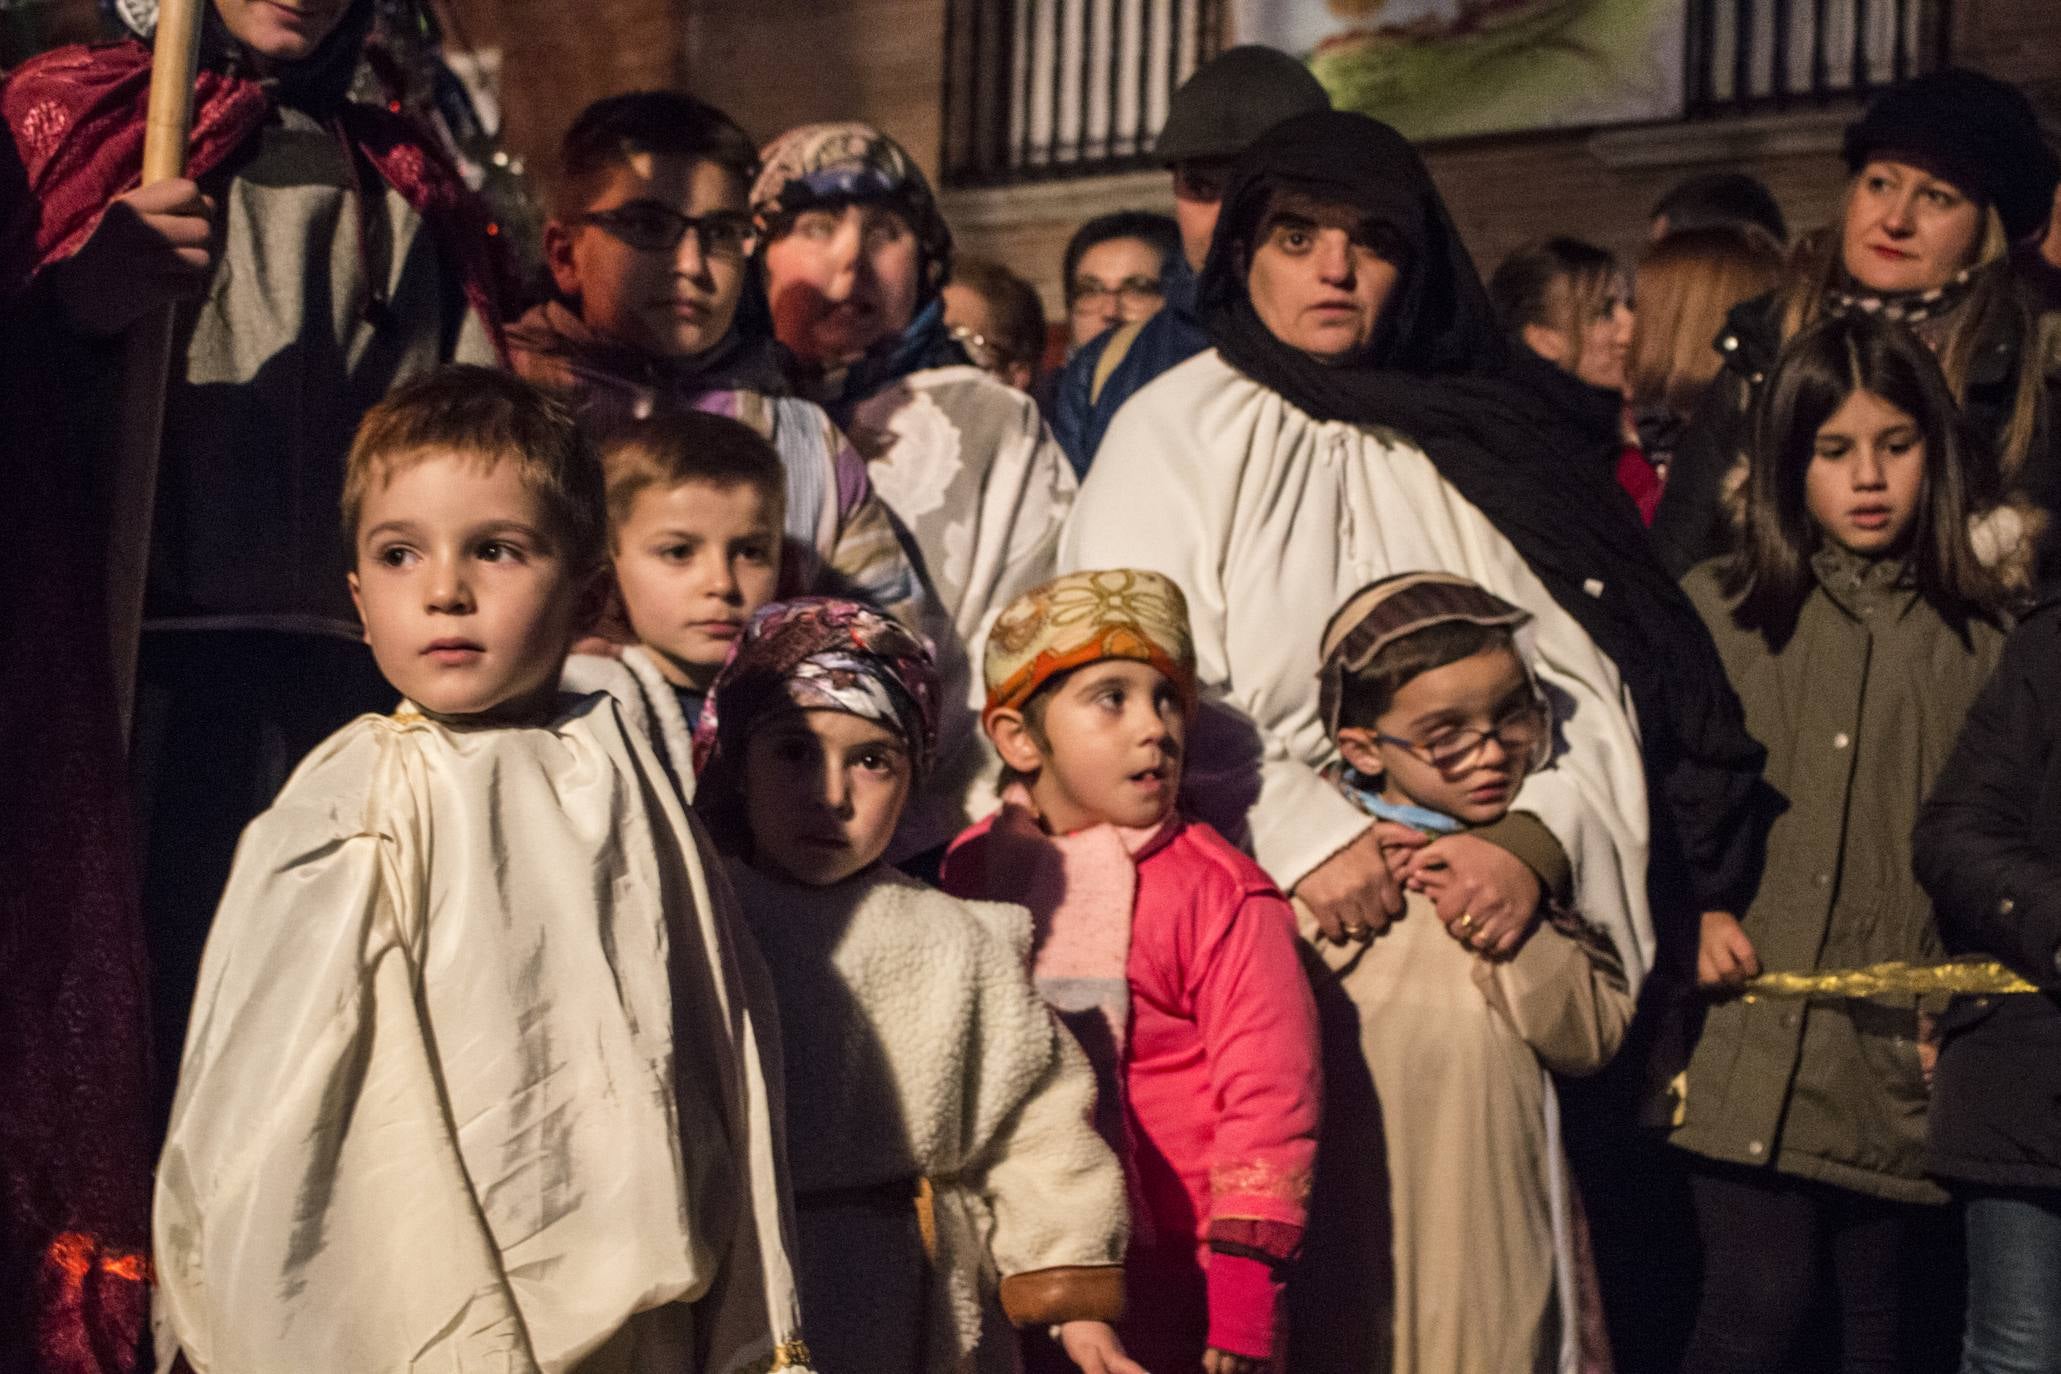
(1234, 98)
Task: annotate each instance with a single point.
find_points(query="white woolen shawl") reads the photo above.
(473, 1080)
(1269, 520)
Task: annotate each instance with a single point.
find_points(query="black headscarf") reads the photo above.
(1531, 447)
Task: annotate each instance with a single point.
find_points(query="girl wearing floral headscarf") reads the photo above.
(855, 256)
(940, 1119)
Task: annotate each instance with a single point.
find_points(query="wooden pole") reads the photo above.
(147, 356)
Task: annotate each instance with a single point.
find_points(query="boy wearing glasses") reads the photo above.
(650, 249)
(1439, 1032)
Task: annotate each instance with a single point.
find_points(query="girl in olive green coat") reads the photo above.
(1857, 625)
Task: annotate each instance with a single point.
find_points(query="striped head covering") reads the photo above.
(835, 164)
(1382, 612)
(1083, 618)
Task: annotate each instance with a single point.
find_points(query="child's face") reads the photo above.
(1113, 743)
(1866, 474)
(693, 562)
(823, 793)
(281, 30)
(674, 300)
(1457, 739)
(461, 581)
(842, 280)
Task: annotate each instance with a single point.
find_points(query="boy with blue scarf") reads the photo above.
(1443, 1031)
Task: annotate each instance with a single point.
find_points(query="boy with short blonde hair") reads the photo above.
(425, 1116)
(695, 504)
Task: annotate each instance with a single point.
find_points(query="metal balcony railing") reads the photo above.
(1038, 89)
(1041, 88)
(1754, 55)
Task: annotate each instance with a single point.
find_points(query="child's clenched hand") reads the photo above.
(1095, 1349)
(1215, 1361)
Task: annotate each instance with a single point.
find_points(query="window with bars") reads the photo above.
(1040, 89)
(1761, 54)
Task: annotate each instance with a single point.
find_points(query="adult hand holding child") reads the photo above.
(1352, 894)
(1487, 897)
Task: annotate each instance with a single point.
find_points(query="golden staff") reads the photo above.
(1896, 978)
(147, 356)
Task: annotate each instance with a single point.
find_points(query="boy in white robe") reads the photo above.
(473, 1080)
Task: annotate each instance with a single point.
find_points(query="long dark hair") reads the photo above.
(1819, 369)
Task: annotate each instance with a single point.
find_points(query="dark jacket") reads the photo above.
(1081, 412)
(1694, 522)
(1859, 710)
(1988, 849)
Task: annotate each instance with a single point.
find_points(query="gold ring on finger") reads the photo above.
(1466, 920)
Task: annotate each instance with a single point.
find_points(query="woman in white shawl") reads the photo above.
(1260, 477)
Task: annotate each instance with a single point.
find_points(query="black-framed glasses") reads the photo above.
(1136, 292)
(653, 228)
(1520, 733)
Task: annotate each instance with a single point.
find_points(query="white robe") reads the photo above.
(474, 1077)
(1269, 520)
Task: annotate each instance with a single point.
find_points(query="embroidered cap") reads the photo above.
(1382, 612)
(1083, 618)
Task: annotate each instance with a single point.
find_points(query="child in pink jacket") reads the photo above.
(1169, 953)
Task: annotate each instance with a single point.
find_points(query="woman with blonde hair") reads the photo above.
(1949, 171)
(1688, 282)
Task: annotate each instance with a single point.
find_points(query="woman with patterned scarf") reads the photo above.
(1950, 172)
(855, 256)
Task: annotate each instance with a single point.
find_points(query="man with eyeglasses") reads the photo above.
(1227, 104)
(651, 250)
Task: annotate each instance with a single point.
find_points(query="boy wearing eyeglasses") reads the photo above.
(1440, 1029)
(657, 306)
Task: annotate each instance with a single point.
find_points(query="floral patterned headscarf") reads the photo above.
(815, 653)
(1083, 618)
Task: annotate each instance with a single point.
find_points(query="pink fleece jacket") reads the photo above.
(1222, 1085)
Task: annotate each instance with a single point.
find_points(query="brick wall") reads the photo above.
(774, 63)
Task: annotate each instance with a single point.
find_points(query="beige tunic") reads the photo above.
(1461, 1263)
(318, 306)
(473, 1080)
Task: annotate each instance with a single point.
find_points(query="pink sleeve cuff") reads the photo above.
(1244, 1305)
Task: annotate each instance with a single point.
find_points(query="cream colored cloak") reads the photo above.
(473, 1080)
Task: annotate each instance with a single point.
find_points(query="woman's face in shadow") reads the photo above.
(1316, 279)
